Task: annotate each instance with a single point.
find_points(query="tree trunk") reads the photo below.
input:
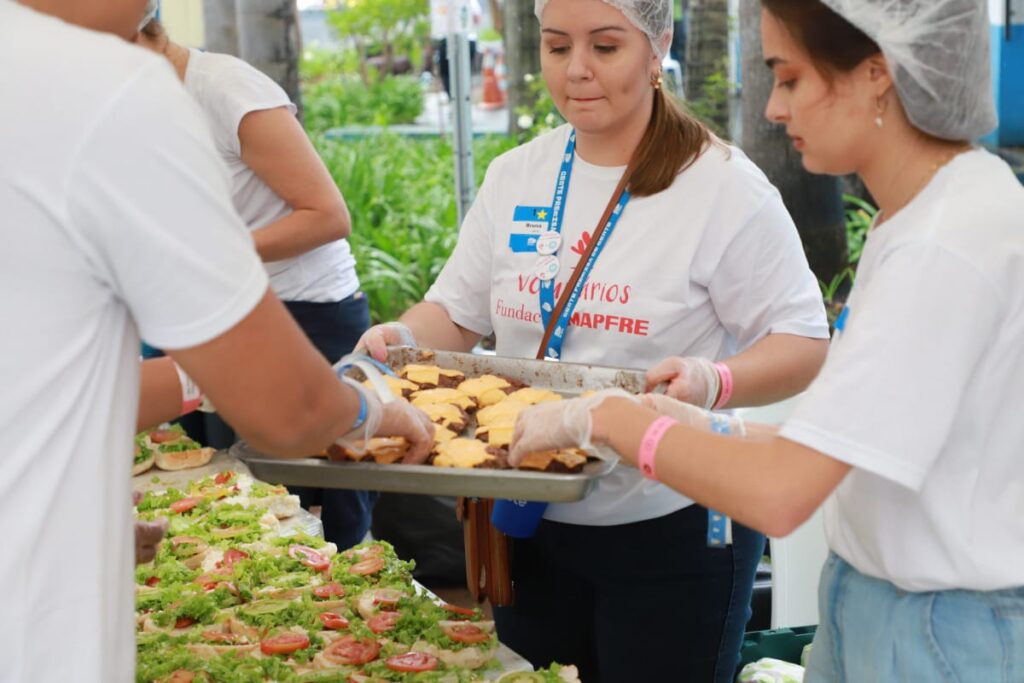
(522, 56)
(268, 38)
(497, 17)
(221, 26)
(814, 201)
(707, 52)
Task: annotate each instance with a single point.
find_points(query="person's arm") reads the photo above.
(159, 393)
(276, 148)
(434, 328)
(772, 485)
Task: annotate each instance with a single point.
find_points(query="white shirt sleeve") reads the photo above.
(763, 285)
(893, 381)
(152, 202)
(464, 286)
(239, 90)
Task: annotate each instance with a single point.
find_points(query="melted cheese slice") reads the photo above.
(428, 396)
(499, 435)
(490, 397)
(442, 435)
(444, 413)
(478, 386)
(396, 385)
(505, 412)
(427, 374)
(532, 396)
(462, 453)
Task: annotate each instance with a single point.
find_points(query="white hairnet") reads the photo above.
(938, 51)
(152, 7)
(653, 17)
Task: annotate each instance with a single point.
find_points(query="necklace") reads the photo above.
(881, 217)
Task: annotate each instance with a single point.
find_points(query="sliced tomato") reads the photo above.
(223, 477)
(387, 598)
(466, 633)
(185, 504)
(412, 661)
(183, 622)
(333, 622)
(367, 567)
(233, 556)
(164, 436)
(328, 591)
(384, 621)
(364, 553)
(284, 643)
(461, 611)
(352, 650)
(153, 580)
(309, 557)
(209, 581)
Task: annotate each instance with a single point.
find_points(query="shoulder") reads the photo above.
(544, 150)
(729, 173)
(227, 81)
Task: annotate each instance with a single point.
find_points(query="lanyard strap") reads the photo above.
(556, 317)
(719, 526)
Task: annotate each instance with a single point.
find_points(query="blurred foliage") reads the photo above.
(386, 28)
(333, 102)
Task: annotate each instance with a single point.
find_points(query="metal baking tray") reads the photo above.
(568, 379)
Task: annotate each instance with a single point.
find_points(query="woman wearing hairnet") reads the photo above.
(913, 429)
(704, 265)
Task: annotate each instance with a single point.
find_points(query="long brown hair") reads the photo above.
(833, 44)
(674, 139)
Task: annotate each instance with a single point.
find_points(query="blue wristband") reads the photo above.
(718, 523)
(363, 410)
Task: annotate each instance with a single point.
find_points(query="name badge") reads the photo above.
(547, 267)
(548, 243)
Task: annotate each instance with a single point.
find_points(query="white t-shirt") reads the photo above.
(705, 268)
(116, 220)
(227, 89)
(923, 390)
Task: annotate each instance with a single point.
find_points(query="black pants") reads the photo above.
(633, 603)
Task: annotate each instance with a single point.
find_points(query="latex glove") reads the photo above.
(376, 339)
(401, 418)
(691, 379)
(690, 415)
(147, 535)
(557, 424)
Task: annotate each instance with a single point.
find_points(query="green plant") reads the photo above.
(542, 115)
(400, 193)
(859, 217)
(712, 104)
(318, 63)
(387, 27)
(833, 293)
(346, 101)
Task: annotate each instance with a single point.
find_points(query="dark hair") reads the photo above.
(153, 29)
(834, 44)
(674, 139)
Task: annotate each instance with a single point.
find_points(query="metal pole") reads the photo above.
(462, 134)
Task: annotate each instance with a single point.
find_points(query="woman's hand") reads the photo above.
(691, 379)
(376, 340)
(401, 418)
(557, 424)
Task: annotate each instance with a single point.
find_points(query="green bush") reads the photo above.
(346, 101)
(401, 193)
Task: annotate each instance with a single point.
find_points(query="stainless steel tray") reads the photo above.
(424, 479)
(568, 379)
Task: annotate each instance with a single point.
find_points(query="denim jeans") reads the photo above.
(631, 603)
(871, 630)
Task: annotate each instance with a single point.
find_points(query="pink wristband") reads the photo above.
(725, 379)
(649, 445)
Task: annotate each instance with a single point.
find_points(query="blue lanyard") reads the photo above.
(719, 526)
(547, 287)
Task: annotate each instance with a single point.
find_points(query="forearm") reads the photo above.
(433, 328)
(301, 231)
(775, 368)
(766, 483)
(159, 393)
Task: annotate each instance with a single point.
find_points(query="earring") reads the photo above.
(656, 80)
(878, 112)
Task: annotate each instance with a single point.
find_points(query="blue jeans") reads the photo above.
(647, 601)
(871, 630)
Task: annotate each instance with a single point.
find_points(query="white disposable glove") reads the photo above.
(395, 418)
(690, 415)
(691, 379)
(376, 339)
(147, 535)
(559, 424)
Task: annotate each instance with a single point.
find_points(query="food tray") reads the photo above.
(568, 379)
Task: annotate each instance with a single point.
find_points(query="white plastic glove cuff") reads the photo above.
(406, 335)
(374, 411)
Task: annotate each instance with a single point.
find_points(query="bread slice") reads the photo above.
(144, 459)
(569, 460)
(183, 460)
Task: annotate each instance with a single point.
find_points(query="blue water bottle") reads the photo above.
(518, 518)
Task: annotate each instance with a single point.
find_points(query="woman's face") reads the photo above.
(596, 64)
(832, 124)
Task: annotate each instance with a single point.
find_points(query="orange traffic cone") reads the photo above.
(494, 96)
